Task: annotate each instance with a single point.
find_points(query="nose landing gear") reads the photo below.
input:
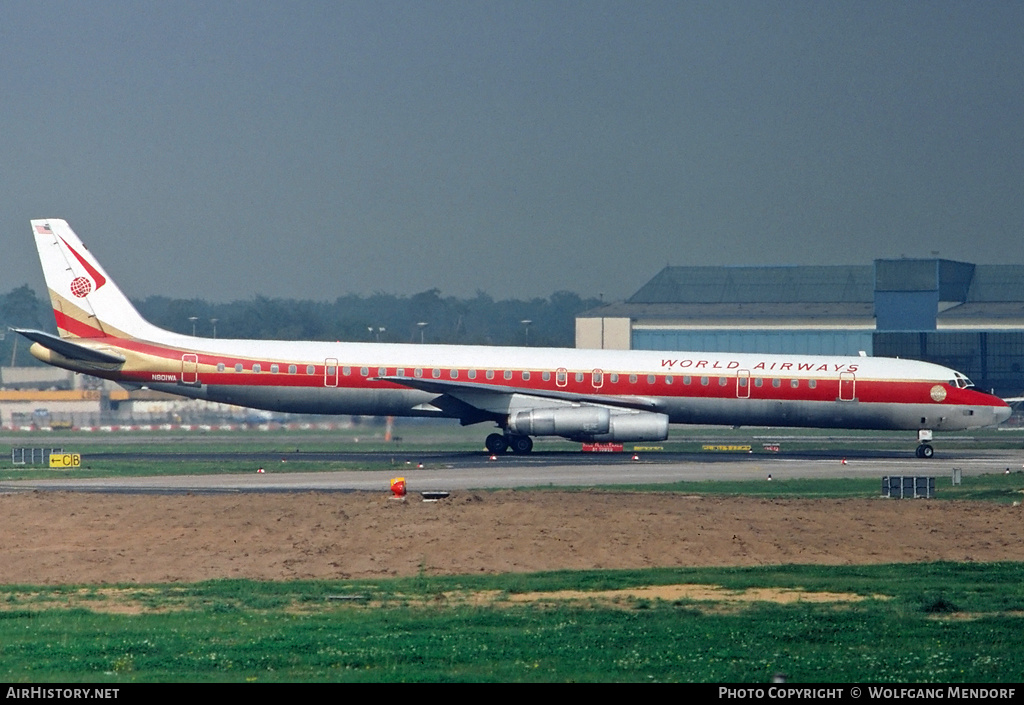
(924, 437)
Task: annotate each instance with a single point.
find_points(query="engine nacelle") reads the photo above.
(639, 426)
(562, 421)
(590, 423)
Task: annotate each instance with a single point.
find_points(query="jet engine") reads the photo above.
(590, 423)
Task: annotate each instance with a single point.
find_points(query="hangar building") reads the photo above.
(966, 316)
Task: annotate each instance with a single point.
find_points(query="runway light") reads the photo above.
(494, 457)
(259, 471)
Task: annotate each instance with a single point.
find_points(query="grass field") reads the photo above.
(898, 623)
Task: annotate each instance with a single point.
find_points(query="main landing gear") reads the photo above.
(497, 443)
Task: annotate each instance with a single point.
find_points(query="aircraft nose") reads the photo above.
(1001, 413)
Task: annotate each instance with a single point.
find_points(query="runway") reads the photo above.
(463, 471)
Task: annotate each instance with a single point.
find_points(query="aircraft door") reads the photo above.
(742, 384)
(190, 368)
(597, 379)
(561, 377)
(847, 386)
(331, 372)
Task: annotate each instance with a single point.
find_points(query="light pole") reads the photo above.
(422, 325)
(526, 323)
(214, 322)
(193, 319)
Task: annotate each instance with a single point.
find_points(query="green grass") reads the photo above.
(937, 622)
(1001, 487)
(171, 466)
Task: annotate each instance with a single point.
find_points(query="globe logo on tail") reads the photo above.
(80, 287)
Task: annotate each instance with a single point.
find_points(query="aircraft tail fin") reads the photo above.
(86, 302)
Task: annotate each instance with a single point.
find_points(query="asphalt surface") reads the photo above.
(470, 470)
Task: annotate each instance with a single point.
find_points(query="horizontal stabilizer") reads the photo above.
(72, 351)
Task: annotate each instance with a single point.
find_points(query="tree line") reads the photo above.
(426, 316)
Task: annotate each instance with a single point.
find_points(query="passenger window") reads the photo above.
(310, 369)
(220, 366)
(274, 369)
(508, 374)
(256, 368)
(526, 375)
(238, 367)
(364, 371)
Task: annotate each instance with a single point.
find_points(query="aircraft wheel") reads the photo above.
(496, 444)
(521, 444)
(926, 450)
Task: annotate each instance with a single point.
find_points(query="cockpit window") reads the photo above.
(961, 382)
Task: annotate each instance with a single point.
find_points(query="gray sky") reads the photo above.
(309, 149)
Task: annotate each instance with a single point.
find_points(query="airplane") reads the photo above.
(582, 395)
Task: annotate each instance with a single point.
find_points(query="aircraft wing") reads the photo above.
(474, 402)
(70, 350)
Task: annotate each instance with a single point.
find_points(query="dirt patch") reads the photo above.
(715, 596)
(128, 600)
(74, 538)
